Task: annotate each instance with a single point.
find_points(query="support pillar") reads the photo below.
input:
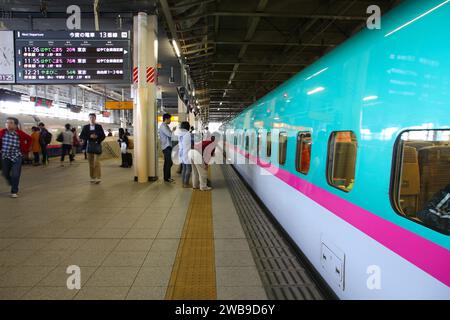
(152, 60)
(140, 98)
(145, 57)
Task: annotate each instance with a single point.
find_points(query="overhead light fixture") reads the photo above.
(175, 46)
(193, 92)
(220, 103)
(318, 89)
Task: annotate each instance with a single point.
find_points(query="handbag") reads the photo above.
(123, 147)
(94, 147)
(60, 137)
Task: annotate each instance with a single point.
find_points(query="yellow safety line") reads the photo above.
(194, 272)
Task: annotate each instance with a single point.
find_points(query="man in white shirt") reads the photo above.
(165, 137)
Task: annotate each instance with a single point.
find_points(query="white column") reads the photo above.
(141, 98)
(152, 60)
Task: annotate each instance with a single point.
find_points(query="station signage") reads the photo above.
(119, 105)
(42, 102)
(72, 57)
(7, 67)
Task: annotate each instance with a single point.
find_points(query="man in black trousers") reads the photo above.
(165, 136)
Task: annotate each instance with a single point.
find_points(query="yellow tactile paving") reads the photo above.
(194, 272)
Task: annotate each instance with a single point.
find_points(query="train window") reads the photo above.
(303, 157)
(420, 188)
(235, 140)
(258, 143)
(247, 143)
(269, 144)
(341, 160)
(282, 147)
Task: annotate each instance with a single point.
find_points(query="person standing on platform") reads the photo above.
(184, 145)
(67, 143)
(14, 144)
(124, 145)
(110, 133)
(91, 137)
(165, 136)
(46, 139)
(35, 144)
(200, 157)
(207, 134)
(75, 144)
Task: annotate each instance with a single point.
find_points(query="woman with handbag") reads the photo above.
(91, 137)
(124, 145)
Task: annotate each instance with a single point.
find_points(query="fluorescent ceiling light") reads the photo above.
(416, 18)
(177, 50)
(318, 89)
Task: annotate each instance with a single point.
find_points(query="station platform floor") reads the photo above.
(131, 241)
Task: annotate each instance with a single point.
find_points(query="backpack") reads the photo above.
(46, 137)
(60, 137)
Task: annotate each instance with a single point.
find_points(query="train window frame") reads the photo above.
(258, 143)
(298, 151)
(284, 149)
(330, 159)
(269, 144)
(396, 174)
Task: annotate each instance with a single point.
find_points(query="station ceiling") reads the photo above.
(237, 51)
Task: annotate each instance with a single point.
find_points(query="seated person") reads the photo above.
(436, 212)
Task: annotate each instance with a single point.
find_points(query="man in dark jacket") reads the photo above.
(14, 144)
(45, 140)
(91, 137)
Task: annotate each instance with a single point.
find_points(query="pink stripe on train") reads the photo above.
(426, 255)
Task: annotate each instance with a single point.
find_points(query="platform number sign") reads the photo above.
(7, 68)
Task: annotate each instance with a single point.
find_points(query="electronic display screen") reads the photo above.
(72, 57)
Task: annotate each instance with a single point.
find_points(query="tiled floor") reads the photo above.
(123, 235)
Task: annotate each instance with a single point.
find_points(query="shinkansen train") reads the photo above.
(352, 157)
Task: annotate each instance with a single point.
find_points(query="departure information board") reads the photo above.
(72, 57)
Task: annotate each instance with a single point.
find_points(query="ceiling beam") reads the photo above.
(286, 15)
(251, 71)
(270, 43)
(187, 4)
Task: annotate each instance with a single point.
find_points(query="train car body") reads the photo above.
(374, 92)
